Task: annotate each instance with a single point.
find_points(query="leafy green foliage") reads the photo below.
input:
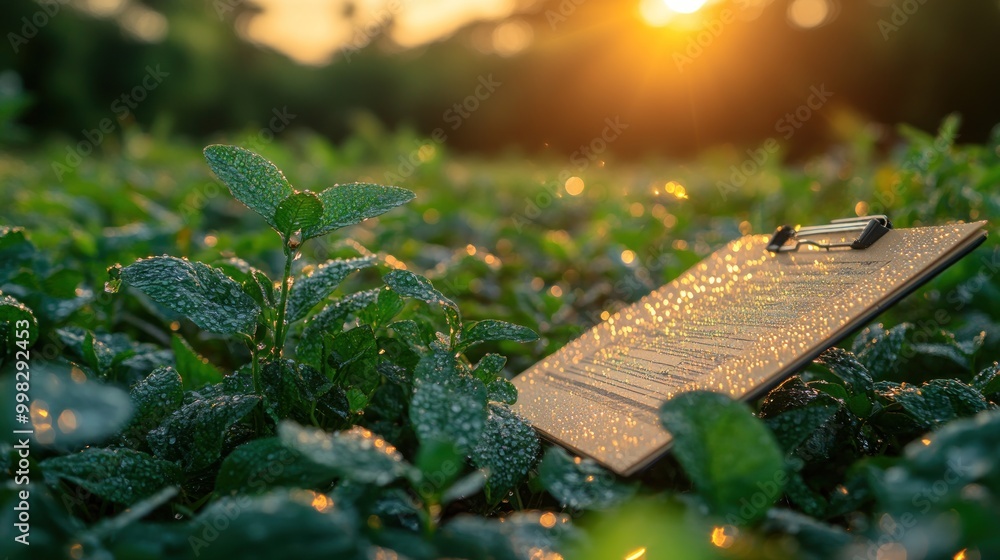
(729, 454)
(212, 300)
(253, 180)
(507, 449)
(264, 464)
(447, 403)
(314, 288)
(194, 433)
(580, 483)
(122, 476)
(240, 477)
(346, 205)
(356, 454)
(154, 398)
(300, 211)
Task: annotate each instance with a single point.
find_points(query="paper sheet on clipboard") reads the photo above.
(738, 323)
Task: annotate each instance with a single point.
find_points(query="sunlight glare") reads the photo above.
(685, 6)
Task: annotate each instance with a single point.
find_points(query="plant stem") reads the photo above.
(280, 329)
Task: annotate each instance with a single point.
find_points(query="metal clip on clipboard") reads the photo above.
(872, 228)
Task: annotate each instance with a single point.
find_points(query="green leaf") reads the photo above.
(356, 454)
(15, 252)
(253, 180)
(345, 205)
(194, 369)
(379, 313)
(300, 211)
(259, 527)
(408, 284)
(122, 475)
(447, 404)
(354, 355)
(255, 283)
(12, 311)
(413, 334)
(879, 349)
(580, 483)
(204, 294)
(987, 381)
(194, 434)
(330, 320)
(264, 464)
(291, 389)
(97, 355)
(501, 390)
(911, 410)
(507, 450)
(154, 398)
(801, 422)
(307, 291)
(439, 463)
(490, 330)
(489, 367)
(727, 452)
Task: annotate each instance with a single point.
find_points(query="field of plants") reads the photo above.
(221, 359)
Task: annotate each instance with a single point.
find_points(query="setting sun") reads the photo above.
(685, 6)
(660, 13)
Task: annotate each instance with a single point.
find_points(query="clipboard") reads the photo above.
(740, 322)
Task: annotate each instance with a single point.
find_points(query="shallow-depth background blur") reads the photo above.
(682, 75)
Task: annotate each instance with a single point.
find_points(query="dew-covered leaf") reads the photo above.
(123, 476)
(408, 284)
(280, 524)
(291, 389)
(356, 454)
(195, 370)
(194, 434)
(345, 205)
(314, 288)
(263, 464)
(299, 211)
(353, 357)
(253, 180)
(12, 312)
(255, 283)
(154, 398)
(489, 367)
(413, 334)
(879, 349)
(987, 381)
(501, 390)
(380, 312)
(799, 422)
(330, 320)
(201, 293)
(490, 331)
(580, 483)
(447, 404)
(910, 410)
(507, 450)
(15, 252)
(726, 451)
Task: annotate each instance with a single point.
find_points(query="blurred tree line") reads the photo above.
(730, 80)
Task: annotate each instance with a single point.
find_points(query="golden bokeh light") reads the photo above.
(807, 14)
(574, 186)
